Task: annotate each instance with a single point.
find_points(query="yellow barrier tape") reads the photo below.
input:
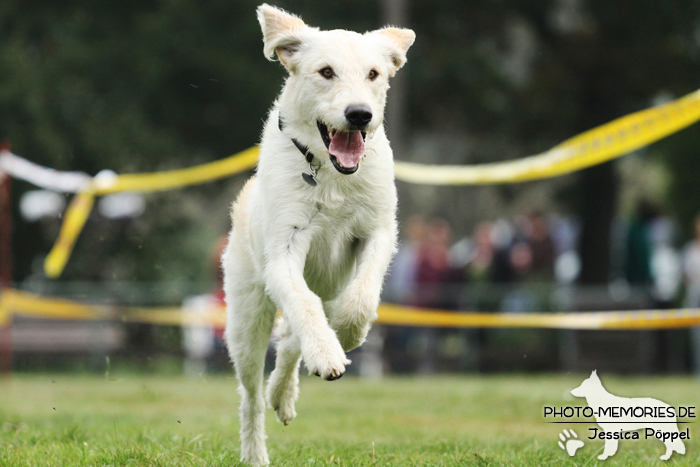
(75, 218)
(175, 317)
(158, 181)
(618, 320)
(79, 209)
(590, 148)
(4, 316)
(26, 304)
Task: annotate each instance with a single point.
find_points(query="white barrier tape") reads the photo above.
(43, 177)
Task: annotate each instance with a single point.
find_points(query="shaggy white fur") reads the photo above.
(319, 253)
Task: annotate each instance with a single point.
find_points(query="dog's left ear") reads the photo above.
(397, 41)
(283, 33)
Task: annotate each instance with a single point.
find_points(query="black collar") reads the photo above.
(310, 177)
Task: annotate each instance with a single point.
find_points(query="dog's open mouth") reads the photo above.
(345, 147)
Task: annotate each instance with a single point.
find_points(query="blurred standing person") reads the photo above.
(691, 270)
(220, 360)
(532, 253)
(402, 275)
(203, 344)
(480, 266)
(637, 265)
(666, 269)
(542, 248)
(532, 260)
(433, 278)
(502, 235)
(667, 273)
(402, 288)
(565, 231)
(434, 270)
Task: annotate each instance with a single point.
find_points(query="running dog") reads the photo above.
(315, 229)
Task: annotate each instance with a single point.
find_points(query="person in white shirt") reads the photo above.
(691, 270)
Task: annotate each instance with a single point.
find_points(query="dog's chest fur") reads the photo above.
(339, 213)
(338, 234)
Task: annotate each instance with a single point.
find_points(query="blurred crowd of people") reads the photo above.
(509, 258)
(430, 267)
(536, 249)
(519, 262)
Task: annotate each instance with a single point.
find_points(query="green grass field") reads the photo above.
(442, 421)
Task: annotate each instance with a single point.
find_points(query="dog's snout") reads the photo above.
(359, 115)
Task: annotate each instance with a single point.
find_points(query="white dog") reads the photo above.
(315, 229)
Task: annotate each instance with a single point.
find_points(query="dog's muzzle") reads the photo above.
(347, 147)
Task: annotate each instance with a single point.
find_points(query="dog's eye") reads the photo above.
(327, 72)
(373, 75)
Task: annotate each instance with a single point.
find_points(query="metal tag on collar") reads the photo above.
(310, 177)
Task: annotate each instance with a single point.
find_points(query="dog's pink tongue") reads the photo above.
(348, 147)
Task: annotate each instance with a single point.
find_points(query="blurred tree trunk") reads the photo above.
(598, 185)
(395, 13)
(599, 189)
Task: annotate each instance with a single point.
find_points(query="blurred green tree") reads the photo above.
(150, 85)
(134, 86)
(535, 72)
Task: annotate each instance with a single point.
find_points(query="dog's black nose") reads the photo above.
(359, 115)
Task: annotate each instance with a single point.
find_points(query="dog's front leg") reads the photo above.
(353, 311)
(609, 449)
(302, 309)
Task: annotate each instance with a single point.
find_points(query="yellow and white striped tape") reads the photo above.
(168, 180)
(13, 302)
(633, 319)
(73, 222)
(79, 209)
(592, 147)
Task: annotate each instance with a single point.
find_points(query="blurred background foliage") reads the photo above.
(136, 86)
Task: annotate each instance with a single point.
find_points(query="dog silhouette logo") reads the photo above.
(621, 417)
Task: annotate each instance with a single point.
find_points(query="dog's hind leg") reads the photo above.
(250, 316)
(283, 385)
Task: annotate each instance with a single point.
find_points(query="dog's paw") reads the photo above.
(281, 397)
(255, 457)
(285, 411)
(328, 363)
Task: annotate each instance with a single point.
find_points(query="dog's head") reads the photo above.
(590, 386)
(338, 80)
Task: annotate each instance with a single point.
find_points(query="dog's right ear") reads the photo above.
(398, 40)
(283, 34)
